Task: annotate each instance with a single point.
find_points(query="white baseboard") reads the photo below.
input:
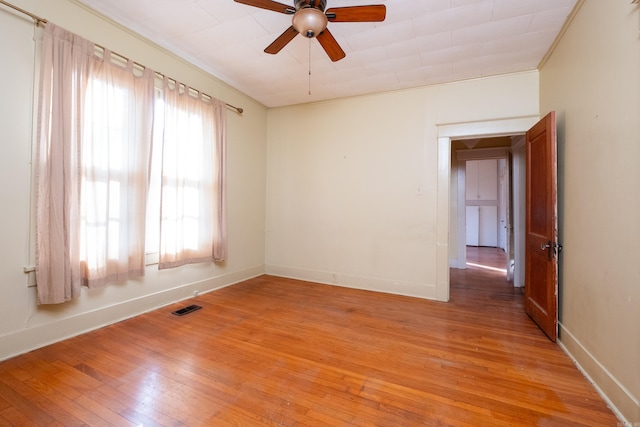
(621, 401)
(419, 290)
(32, 338)
(454, 263)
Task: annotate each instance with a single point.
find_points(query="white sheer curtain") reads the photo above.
(93, 149)
(193, 219)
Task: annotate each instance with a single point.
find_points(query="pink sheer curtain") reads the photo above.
(94, 138)
(64, 72)
(116, 157)
(193, 219)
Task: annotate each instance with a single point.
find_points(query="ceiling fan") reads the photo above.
(310, 20)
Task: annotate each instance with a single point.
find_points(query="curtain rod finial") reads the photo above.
(239, 110)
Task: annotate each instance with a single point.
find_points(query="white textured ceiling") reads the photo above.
(421, 42)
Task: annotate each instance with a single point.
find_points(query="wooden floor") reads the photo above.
(280, 352)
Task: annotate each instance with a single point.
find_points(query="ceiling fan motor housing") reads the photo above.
(316, 4)
(309, 19)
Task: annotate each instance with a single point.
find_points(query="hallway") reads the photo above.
(484, 281)
(486, 257)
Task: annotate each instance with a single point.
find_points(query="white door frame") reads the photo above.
(466, 130)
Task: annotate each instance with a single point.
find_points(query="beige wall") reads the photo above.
(24, 325)
(352, 187)
(352, 190)
(592, 80)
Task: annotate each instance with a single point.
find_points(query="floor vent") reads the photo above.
(186, 310)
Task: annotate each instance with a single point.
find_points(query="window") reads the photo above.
(103, 185)
(115, 149)
(192, 219)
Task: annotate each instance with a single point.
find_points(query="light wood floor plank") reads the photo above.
(275, 351)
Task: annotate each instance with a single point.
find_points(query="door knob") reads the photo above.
(557, 248)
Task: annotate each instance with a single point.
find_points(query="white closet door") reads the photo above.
(473, 222)
(488, 226)
(471, 180)
(481, 185)
(488, 179)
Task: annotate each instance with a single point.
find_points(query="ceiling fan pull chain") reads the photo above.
(309, 67)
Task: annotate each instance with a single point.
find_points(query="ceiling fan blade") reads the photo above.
(330, 45)
(269, 5)
(371, 13)
(282, 41)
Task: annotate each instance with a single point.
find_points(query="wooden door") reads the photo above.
(541, 266)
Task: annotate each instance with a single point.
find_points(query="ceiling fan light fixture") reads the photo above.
(309, 21)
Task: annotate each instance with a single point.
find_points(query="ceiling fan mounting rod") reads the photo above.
(316, 4)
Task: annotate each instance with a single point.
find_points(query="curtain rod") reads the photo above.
(29, 14)
(40, 20)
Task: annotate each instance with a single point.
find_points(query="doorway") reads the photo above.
(482, 186)
(448, 249)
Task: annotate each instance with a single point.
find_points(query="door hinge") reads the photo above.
(557, 248)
